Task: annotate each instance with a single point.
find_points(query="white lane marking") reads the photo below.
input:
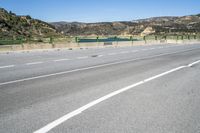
(34, 63)
(124, 52)
(144, 49)
(83, 57)
(9, 66)
(194, 63)
(134, 51)
(72, 114)
(112, 53)
(92, 67)
(165, 73)
(61, 60)
(100, 55)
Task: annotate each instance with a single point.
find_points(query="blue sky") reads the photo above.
(100, 10)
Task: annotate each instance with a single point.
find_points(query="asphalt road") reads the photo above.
(154, 89)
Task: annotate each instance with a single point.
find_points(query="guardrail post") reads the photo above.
(51, 42)
(77, 40)
(115, 38)
(144, 38)
(156, 37)
(131, 38)
(97, 41)
(195, 36)
(182, 37)
(188, 37)
(23, 48)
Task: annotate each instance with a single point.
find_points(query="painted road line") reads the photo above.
(58, 60)
(144, 49)
(9, 66)
(92, 67)
(34, 63)
(134, 51)
(84, 57)
(112, 53)
(124, 52)
(194, 63)
(100, 55)
(78, 111)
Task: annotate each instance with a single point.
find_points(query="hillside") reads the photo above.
(156, 25)
(13, 26)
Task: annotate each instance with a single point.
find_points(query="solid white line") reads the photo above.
(92, 67)
(9, 66)
(61, 60)
(165, 73)
(112, 53)
(34, 63)
(84, 57)
(72, 114)
(194, 63)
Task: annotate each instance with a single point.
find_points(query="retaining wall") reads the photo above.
(90, 45)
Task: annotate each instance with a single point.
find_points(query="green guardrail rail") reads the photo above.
(111, 39)
(11, 42)
(88, 39)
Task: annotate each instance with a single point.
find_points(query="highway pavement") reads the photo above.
(139, 89)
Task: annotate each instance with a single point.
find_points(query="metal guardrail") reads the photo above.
(102, 39)
(10, 42)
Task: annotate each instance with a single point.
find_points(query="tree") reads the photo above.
(28, 17)
(11, 13)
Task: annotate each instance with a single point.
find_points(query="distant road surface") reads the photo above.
(141, 89)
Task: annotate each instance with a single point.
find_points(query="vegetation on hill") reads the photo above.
(13, 26)
(156, 25)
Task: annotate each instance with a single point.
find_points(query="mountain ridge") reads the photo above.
(153, 25)
(15, 26)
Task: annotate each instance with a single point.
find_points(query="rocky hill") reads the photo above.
(156, 25)
(13, 26)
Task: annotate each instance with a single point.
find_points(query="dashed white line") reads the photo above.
(124, 52)
(100, 55)
(61, 60)
(9, 66)
(34, 63)
(87, 68)
(84, 57)
(144, 49)
(134, 51)
(78, 111)
(112, 53)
